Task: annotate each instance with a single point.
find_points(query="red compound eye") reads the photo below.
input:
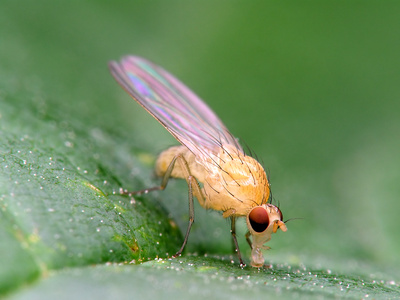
(259, 219)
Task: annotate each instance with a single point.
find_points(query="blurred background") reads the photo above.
(312, 88)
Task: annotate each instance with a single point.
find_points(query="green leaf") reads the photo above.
(312, 89)
(206, 277)
(60, 204)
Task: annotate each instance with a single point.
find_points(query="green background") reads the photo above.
(312, 88)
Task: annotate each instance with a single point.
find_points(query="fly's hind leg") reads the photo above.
(162, 186)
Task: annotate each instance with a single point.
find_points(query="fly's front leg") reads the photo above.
(233, 232)
(248, 239)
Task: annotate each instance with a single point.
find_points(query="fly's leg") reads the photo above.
(233, 232)
(194, 191)
(164, 180)
(192, 182)
(248, 239)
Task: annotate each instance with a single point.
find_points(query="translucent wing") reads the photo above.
(173, 104)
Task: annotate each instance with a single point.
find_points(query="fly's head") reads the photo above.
(262, 221)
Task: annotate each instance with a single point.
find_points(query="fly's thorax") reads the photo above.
(235, 181)
(166, 157)
(262, 221)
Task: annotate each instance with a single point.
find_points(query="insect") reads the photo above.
(217, 170)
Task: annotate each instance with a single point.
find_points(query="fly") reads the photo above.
(231, 181)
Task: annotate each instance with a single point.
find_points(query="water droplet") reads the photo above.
(98, 229)
(50, 209)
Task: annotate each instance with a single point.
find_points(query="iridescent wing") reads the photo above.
(173, 104)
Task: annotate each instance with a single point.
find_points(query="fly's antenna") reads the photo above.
(291, 219)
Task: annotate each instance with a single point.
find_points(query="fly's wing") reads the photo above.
(173, 104)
